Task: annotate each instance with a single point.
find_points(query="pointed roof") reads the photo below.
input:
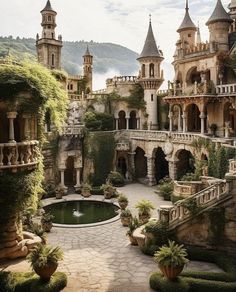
(150, 47)
(87, 53)
(48, 6)
(219, 14)
(187, 22)
(199, 39)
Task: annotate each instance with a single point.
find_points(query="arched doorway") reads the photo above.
(230, 118)
(140, 161)
(193, 76)
(185, 163)
(122, 166)
(70, 172)
(122, 120)
(161, 165)
(133, 120)
(176, 120)
(193, 118)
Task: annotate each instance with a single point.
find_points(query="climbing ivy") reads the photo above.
(100, 149)
(216, 217)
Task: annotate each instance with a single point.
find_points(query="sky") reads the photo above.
(123, 22)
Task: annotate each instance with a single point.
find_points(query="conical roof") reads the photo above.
(219, 14)
(48, 6)
(150, 47)
(87, 53)
(187, 22)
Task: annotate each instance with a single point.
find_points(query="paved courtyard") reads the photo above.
(101, 259)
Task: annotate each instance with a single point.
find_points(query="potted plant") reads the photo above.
(38, 230)
(86, 190)
(46, 221)
(134, 224)
(44, 260)
(123, 201)
(108, 190)
(166, 189)
(171, 259)
(125, 217)
(144, 210)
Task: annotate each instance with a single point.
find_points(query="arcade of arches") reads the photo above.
(161, 165)
(126, 121)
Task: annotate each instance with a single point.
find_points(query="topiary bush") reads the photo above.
(159, 283)
(116, 179)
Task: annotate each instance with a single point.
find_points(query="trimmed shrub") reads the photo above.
(116, 179)
(166, 190)
(160, 283)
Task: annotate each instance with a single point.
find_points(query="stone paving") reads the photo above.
(101, 259)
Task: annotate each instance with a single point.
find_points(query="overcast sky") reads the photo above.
(123, 22)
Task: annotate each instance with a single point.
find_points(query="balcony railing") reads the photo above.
(226, 89)
(17, 155)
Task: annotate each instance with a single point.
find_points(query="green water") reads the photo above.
(81, 212)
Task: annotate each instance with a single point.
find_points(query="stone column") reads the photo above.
(202, 117)
(78, 182)
(11, 116)
(184, 116)
(131, 166)
(179, 122)
(172, 169)
(117, 124)
(151, 180)
(171, 121)
(26, 117)
(62, 183)
(138, 123)
(127, 123)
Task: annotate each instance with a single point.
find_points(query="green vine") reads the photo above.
(216, 217)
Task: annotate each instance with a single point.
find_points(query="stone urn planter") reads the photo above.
(108, 190)
(171, 259)
(86, 190)
(144, 210)
(46, 221)
(60, 192)
(123, 201)
(44, 260)
(134, 224)
(126, 217)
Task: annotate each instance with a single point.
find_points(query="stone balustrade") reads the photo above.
(179, 212)
(226, 89)
(17, 155)
(123, 146)
(232, 166)
(121, 80)
(183, 190)
(100, 91)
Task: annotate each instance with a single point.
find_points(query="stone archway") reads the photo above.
(193, 118)
(121, 120)
(140, 162)
(133, 120)
(185, 163)
(161, 165)
(70, 172)
(230, 118)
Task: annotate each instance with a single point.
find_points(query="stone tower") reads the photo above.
(218, 25)
(187, 30)
(48, 47)
(88, 70)
(151, 75)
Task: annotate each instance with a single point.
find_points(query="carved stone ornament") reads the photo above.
(168, 148)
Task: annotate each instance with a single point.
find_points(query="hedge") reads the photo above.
(198, 281)
(30, 282)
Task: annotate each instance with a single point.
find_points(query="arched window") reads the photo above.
(151, 70)
(49, 18)
(52, 35)
(143, 70)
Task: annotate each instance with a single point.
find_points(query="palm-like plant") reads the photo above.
(144, 207)
(171, 255)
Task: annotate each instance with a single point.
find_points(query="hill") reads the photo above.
(107, 56)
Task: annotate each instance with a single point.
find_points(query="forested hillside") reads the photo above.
(107, 56)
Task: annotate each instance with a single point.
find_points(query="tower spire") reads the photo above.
(186, 8)
(187, 22)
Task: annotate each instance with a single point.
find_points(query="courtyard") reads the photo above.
(101, 258)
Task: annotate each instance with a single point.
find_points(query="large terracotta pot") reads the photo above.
(123, 205)
(86, 193)
(46, 272)
(133, 240)
(171, 273)
(125, 221)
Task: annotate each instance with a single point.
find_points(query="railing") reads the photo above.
(232, 166)
(15, 155)
(100, 91)
(226, 89)
(177, 214)
(121, 79)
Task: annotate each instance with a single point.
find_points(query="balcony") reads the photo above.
(14, 156)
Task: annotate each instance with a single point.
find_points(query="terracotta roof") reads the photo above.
(150, 47)
(219, 14)
(187, 21)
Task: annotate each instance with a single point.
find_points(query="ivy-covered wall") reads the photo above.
(99, 152)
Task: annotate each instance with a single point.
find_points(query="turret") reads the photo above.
(218, 25)
(88, 70)
(48, 47)
(151, 76)
(187, 30)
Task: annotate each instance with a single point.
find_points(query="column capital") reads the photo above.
(11, 115)
(26, 116)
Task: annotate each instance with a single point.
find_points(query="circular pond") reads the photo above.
(81, 212)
